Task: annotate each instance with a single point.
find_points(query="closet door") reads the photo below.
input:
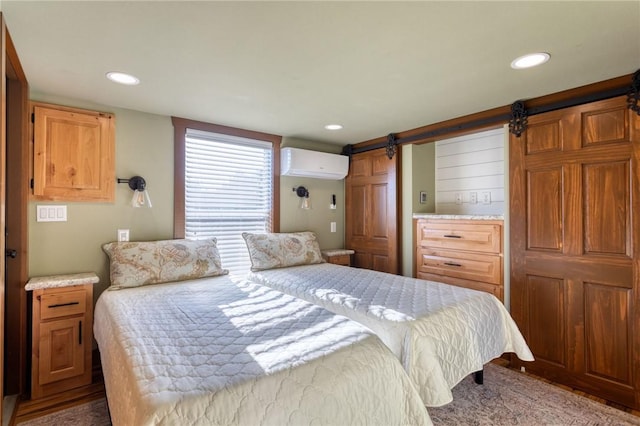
(371, 224)
(575, 226)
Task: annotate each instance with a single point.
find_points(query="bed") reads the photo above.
(217, 350)
(440, 333)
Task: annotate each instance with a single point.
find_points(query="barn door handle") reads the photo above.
(452, 236)
(452, 264)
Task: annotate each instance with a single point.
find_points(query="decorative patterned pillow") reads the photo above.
(269, 251)
(135, 264)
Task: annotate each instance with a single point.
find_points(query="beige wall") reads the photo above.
(418, 174)
(318, 219)
(144, 146)
(424, 177)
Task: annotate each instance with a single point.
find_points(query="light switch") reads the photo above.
(333, 227)
(51, 213)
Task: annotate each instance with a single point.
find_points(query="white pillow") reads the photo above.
(269, 251)
(134, 264)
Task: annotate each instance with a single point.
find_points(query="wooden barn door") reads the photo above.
(371, 223)
(575, 246)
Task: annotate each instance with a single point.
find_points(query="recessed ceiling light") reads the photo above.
(333, 127)
(530, 60)
(122, 78)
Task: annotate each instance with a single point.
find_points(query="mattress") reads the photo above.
(440, 333)
(217, 351)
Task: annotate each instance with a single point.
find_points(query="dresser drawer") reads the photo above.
(479, 237)
(55, 304)
(469, 266)
(496, 290)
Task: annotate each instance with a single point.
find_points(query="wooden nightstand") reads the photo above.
(62, 336)
(338, 256)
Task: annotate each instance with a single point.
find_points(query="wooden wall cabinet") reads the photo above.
(73, 154)
(61, 333)
(466, 253)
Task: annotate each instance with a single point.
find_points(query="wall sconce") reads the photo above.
(303, 193)
(332, 206)
(140, 194)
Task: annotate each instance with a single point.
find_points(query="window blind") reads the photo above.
(228, 190)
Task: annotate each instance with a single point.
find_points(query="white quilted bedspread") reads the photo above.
(215, 352)
(441, 333)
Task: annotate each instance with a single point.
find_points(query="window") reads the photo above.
(225, 185)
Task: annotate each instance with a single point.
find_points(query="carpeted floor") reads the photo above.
(506, 398)
(510, 398)
(94, 413)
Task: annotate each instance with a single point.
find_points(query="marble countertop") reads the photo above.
(53, 281)
(337, 252)
(458, 216)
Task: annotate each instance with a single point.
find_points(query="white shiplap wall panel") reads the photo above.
(491, 168)
(469, 143)
(471, 164)
(480, 183)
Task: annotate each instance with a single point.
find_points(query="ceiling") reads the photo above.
(289, 68)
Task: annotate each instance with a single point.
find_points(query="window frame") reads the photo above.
(180, 126)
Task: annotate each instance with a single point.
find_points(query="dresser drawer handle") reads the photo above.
(452, 236)
(452, 264)
(59, 305)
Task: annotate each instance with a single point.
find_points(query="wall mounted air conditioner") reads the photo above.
(314, 164)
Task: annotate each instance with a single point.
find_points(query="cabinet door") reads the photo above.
(61, 349)
(371, 227)
(73, 154)
(575, 246)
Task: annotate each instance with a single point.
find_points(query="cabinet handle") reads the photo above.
(452, 236)
(59, 305)
(79, 332)
(452, 264)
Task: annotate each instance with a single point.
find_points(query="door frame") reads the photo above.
(16, 171)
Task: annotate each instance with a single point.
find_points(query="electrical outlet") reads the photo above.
(123, 235)
(473, 197)
(458, 197)
(486, 197)
(423, 197)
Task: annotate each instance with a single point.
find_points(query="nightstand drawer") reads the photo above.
(55, 304)
(343, 259)
(338, 256)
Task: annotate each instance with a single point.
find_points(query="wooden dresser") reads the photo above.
(463, 252)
